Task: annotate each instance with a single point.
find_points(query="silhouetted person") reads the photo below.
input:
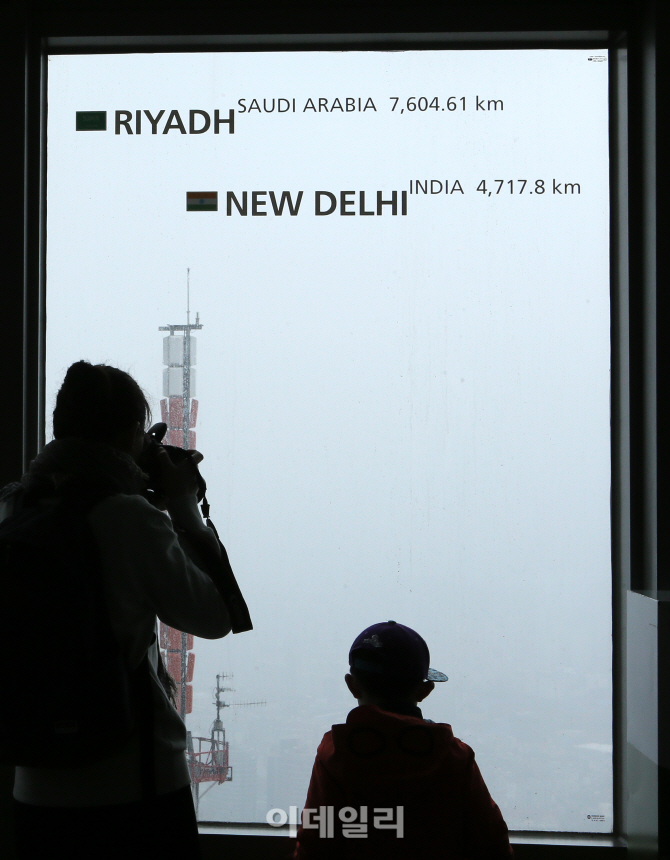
(100, 809)
(388, 784)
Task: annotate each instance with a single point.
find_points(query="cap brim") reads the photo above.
(434, 675)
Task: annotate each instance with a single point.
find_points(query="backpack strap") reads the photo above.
(145, 717)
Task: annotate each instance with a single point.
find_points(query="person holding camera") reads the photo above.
(151, 566)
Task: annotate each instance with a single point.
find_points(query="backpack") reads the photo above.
(69, 698)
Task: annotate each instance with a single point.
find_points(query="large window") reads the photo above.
(402, 377)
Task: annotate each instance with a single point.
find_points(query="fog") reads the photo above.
(402, 416)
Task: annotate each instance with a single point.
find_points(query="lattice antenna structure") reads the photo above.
(210, 761)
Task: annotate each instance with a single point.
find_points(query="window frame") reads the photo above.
(633, 505)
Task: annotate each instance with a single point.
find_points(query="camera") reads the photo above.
(148, 460)
(217, 565)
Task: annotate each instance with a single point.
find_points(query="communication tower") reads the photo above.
(179, 410)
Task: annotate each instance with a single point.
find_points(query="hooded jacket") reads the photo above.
(381, 760)
(146, 573)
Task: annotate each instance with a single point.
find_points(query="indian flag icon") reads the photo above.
(202, 201)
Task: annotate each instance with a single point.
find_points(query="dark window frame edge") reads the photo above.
(35, 244)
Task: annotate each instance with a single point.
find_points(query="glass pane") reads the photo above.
(403, 383)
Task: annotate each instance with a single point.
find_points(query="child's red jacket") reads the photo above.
(382, 760)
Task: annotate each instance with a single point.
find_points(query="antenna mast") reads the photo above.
(179, 378)
(179, 410)
(210, 761)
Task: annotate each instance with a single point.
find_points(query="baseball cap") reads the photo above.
(394, 650)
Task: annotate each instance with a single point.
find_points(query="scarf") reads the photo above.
(83, 461)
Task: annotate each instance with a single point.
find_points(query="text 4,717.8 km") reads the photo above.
(537, 186)
(494, 187)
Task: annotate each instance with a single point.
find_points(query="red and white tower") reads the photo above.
(179, 410)
(209, 760)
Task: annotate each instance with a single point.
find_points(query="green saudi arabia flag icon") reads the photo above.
(91, 120)
(202, 201)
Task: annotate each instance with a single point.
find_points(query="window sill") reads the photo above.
(251, 840)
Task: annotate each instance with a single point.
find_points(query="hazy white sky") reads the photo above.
(402, 416)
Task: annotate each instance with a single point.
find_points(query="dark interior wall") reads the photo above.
(646, 22)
